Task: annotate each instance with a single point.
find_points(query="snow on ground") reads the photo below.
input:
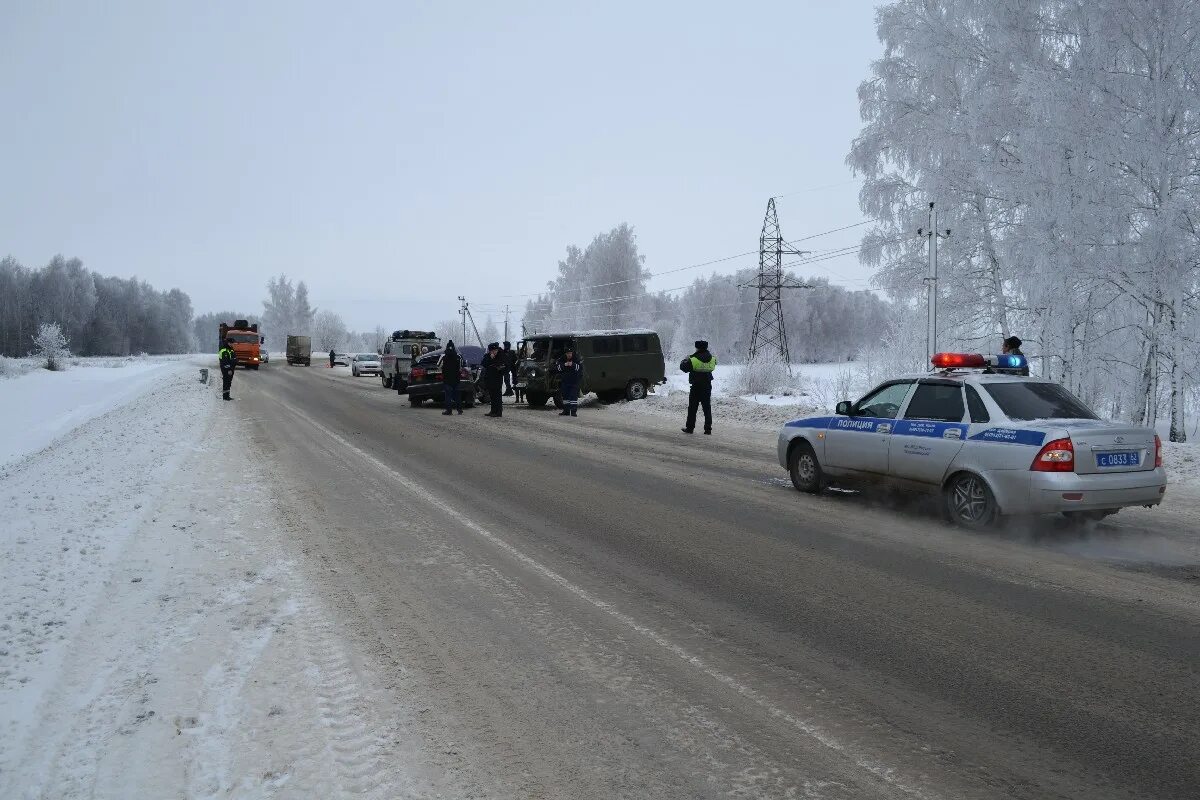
(37, 406)
(815, 387)
(155, 638)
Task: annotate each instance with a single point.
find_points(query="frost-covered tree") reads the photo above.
(51, 347)
(1060, 141)
(329, 331)
(489, 331)
(99, 315)
(302, 311)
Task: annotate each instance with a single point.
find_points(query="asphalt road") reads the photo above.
(603, 607)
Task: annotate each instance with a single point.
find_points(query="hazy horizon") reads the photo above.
(396, 157)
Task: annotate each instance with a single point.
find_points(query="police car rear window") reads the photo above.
(1026, 400)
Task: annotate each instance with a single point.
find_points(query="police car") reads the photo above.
(989, 440)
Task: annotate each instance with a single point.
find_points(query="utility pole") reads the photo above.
(506, 312)
(769, 334)
(462, 312)
(465, 310)
(931, 281)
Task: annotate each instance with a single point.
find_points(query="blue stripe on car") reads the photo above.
(930, 429)
(810, 422)
(1010, 436)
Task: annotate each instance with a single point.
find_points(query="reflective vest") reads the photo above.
(703, 366)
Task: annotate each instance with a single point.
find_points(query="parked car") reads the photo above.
(341, 359)
(988, 440)
(264, 356)
(365, 364)
(616, 364)
(425, 377)
(399, 352)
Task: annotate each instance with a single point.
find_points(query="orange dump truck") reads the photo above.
(246, 341)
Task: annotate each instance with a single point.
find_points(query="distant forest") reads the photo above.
(101, 316)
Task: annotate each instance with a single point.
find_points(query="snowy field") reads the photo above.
(37, 406)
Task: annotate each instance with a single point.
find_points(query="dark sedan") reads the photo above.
(425, 379)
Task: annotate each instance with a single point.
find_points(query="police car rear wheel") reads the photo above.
(805, 469)
(969, 502)
(636, 390)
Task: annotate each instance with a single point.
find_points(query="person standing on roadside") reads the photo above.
(1012, 347)
(493, 366)
(570, 370)
(331, 355)
(228, 361)
(699, 366)
(451, 366)
(510, 366)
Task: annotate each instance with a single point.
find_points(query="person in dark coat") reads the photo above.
(228, 361)
(493, 366)
(451, 366)
(331, 355)
(510, 366)
(570, 370)
(699, 366)
(1012, 347)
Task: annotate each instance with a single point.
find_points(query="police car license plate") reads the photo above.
(1126, 458)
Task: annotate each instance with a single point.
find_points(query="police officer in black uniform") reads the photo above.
(493, 365)
(228, 361)
(699, 366)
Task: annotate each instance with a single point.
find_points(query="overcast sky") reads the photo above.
(395, 155)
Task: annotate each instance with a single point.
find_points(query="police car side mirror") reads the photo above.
(844, 408)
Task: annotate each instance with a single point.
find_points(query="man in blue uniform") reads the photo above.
(570, 370)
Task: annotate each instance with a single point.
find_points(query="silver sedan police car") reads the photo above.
(990, 441)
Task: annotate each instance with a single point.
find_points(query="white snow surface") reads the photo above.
(38, 406)
(155, 638)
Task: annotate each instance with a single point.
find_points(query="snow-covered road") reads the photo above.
(155, 638)
(318, 592)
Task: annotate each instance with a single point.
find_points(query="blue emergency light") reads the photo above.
(1009, 361)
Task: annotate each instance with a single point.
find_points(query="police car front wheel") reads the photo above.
(805, 469)
(969, 501)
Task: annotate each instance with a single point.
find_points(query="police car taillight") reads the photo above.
(1056, 456)
(958, 360)
(1157, 451)
(416, 373)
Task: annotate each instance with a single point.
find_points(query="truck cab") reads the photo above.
(401, 349)
(247, 342)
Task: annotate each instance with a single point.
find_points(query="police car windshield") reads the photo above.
(1027, 400)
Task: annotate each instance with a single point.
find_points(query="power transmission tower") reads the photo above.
(931, 281)
(769, 334)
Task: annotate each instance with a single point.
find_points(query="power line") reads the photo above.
(674, 270)
(814, 189)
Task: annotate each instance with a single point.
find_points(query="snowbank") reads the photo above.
(39, 406)
(157, 636)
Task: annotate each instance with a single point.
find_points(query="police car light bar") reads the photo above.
(958, 360)
(1008, 361)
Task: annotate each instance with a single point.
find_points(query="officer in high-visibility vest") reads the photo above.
(699, 366)
(228, 361)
